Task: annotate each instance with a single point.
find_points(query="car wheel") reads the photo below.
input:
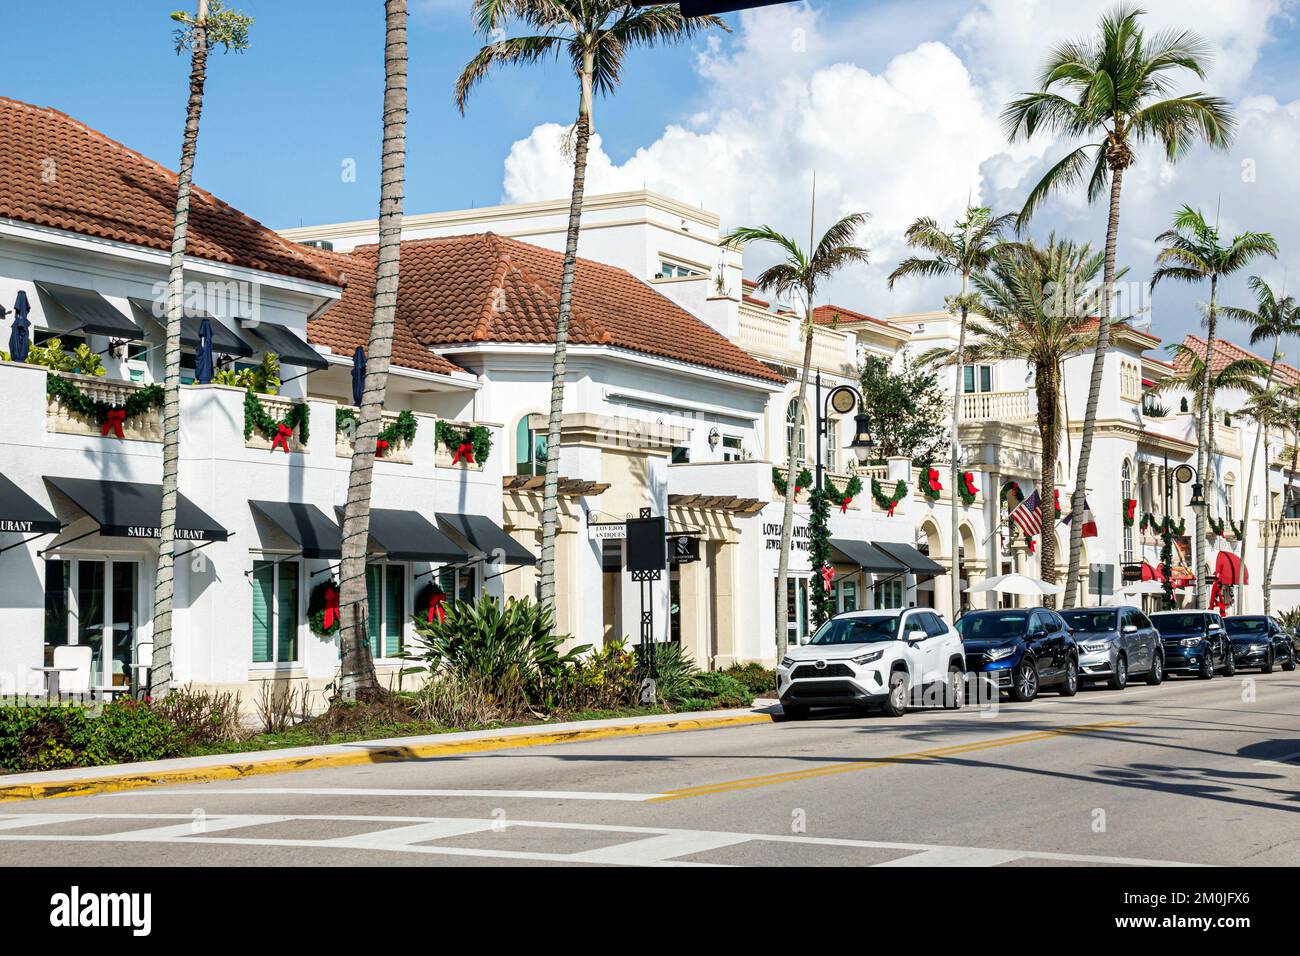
(1070, 685)
(1024, 682)
(896, 701)
(1289, 663)
(1157, 672)
(954, 692)
(1207, 668)
(1119, 676)
(1229, 665)
(795, 711)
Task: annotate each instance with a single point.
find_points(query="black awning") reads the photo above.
(289, 349)
(305, 525)
(93, 312)
(128, 509)
(915, 561)
(410, 536)
(866, 556)
(22, 514)
(487, 538)
(224, 340)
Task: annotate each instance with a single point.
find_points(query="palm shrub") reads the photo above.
(602, 680)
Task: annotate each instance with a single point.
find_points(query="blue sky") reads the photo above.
(894, 103)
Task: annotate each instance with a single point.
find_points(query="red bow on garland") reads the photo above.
(281, 440)
(1032, 546)
(969, 478)
(466, 452)
(844, 505)
(331, 607)
(113, 422)
(797, 489)
(892, 506)
(1130, 508)
(435, 608)
(828, 575)
(935, 485)
(380, 447)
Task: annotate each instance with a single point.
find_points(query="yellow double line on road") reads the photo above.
(768, 780)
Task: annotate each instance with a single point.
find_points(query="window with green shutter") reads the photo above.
(263, 609)
(276, 612)
(394, 608)
(374, 599)
(287, 608)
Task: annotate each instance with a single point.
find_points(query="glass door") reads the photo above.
(101, 615)
(796, 610)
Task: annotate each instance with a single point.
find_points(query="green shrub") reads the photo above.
(50, 738)
(203, 717)
(672, 670)
(758, 680)
(714, 689)
(603, 680)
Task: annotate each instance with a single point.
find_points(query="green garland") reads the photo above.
(967, 496)
(1216, 526)
(256, 419)
(801, 481)
(886, 502)
(316, 610)
(453, 436)
(819, 551)
(402, 429)
(1238, 529)
(72, 398)
(923, 483)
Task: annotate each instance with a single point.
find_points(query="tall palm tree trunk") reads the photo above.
(1277, 532)
(358, 670)
(161, 669)
(1079, 497)
(551, 486)
(787, 515)
(955, 454)
(1205, 443)
(1046, 387)
(1260, 428)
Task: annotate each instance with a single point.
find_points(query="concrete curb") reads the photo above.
(91, 780)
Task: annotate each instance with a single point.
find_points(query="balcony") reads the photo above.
(1285, 530)
(996, 407)
(776, 337)
(146, 426)
(398, 452)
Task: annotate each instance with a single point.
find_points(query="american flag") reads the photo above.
(1026, 515)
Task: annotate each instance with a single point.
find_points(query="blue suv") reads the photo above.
(1021, 650)
(1195, 643)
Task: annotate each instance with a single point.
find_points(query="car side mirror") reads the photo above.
(1130, 628)
(916, 636)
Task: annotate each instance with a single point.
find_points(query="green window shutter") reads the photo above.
(263, 603)
(447, 582)
(373, 598)
(394, 609)
(287, 609)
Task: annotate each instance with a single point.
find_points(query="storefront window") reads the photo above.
(275, 612)
(846, 596)
(796, 610)
(459, 584)
(88, 599)
(889, 594)
(56, 602)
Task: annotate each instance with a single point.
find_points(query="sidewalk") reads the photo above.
(83, 781)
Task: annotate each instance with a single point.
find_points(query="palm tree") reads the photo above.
(357, 675)
(596, 35)
(1121, 88)
(1268, 408)
(802, 272)
(1032, 306)
(213, 25)
(1287, 414)
(1271, 319)
(1192, 252)
(969, 248)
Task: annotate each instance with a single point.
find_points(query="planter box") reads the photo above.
(145, 427)
(277, 408)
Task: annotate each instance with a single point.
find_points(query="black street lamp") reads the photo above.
(842, 399)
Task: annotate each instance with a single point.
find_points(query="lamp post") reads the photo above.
(1186, 474)
(842, 399)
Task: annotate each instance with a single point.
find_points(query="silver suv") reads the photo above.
(1116, 643)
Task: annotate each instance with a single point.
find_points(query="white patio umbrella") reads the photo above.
(1015, 584)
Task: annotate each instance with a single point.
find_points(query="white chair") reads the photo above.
(76, 657)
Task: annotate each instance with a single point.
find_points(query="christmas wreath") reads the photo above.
(1009, 489)
(967, 488)
(276, 431)
(402, 429)
(469, 444)
(323, 615)
(842, 498)
(801, 481)
(429, 604)
(1056, 503)
(110, 418)
(884, 502)
(928, 484)
(1130, 509)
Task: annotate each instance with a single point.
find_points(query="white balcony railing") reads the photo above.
(774, 336)
(398, 452)
(1285, 529)
(278, 409)
(995, 406)
(146, 426)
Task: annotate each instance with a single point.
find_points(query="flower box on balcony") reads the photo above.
(398, 431)
(145, 424)
(465, 446)
(274, 423)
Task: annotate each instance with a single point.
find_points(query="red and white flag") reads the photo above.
(1089, 522)
(1027, 517)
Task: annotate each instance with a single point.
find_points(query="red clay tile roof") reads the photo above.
(1225, 352)
(463, 290)
(831, 314)
(1087, 325)
(57, 172)
(346, 323)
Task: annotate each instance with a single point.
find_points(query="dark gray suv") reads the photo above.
(1116, 643)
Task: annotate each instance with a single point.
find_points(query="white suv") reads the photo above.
(873, 657)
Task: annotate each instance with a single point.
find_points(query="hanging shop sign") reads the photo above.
(683, 548)
(606, 530)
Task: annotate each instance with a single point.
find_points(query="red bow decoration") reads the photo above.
(380, 447)
(281, 440)
(435, 608)
(844, 505)
(935, 485)
(969, 478)
(113, 422)
(828, 574)
(1130, 508)
(466, 452)
(331, 607)
(797, 489)
(892, 506)
(1031, 546)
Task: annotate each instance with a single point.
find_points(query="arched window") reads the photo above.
(800, 441)
(530, 449)
(1125, 493)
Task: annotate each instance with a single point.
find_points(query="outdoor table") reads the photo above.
(52, 679)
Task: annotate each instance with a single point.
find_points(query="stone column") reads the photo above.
(726, 613)
(693, 594)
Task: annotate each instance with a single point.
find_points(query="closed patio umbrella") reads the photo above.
(1015, 584)
(20, 340)
(358, 376)
(203, 354)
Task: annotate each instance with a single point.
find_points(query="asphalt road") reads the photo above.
(1190, 772)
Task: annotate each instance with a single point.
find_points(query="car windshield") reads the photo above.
(1246, 625)
(1179, 623)
(1090, 619)
(992, 625)
(857, 630)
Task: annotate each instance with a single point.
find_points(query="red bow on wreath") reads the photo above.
(934, 480)
(435, 608)
(969, 478)
(1032, 546)
(892, 506)
(281, 440)
(113, 422)
(331, 607)
(466, 452)
(380, 447)
(844, 505)
(1130, 508)
(828, 575)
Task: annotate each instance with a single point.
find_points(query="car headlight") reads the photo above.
(1095, 648)
(1190, 641)
(787, 662)
(868, 657)
(997, 653)
(1258, 647)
